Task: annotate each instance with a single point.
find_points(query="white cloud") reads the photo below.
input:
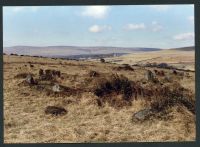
(35, 8)
(156, 26)
(97, 12)
(184, 36)
(17, 9)
(192, 5)
(191, 19)
(159, 7)
(97, 28)
(135, 26)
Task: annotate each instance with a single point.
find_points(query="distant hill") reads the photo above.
(71, 50)
(190, 48)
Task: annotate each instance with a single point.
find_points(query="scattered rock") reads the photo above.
(49, 74)
(29, 79)
(57, 88)
(142, 115)
(93, 74)
(163, 65)
(53, 110)
(150, 76)
(125, 67)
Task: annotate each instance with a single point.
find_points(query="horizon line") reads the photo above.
(93, 46)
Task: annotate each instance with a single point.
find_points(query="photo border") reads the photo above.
(110, 2)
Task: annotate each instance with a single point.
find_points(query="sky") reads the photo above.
(156, 26)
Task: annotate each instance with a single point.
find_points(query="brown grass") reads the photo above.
(25, 120)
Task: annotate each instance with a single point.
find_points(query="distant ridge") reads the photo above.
(72, 50)
(189, 48)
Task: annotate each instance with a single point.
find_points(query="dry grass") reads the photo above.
(179, 59)
(25, 120)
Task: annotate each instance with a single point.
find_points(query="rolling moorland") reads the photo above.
(67, 51)
(137, 97)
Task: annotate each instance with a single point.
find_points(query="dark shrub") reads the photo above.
(175, 72)
(22, 75)
(163, 65)
(41, 72)
(117, 85)
(170, 96)
(102, 60)
(125, 67)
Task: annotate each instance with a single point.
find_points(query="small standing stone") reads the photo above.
(29, 79)
(150, 76)
(56, 88)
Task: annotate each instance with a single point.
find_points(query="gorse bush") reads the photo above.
(102, 60)
(117, 84)
(171, 96)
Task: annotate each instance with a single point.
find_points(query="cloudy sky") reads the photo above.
(160, 26)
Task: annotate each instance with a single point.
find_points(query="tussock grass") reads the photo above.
(25, 120)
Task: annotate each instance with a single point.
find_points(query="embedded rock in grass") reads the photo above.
(93, 74)
(142, 115)
(29, 79)
(57, 88)
(54, 110)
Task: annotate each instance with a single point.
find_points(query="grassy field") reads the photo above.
(180, 59)
(25, 120)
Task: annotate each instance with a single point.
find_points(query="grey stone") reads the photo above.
(142, 115)
(29, 79)
(150, 76)
(57, 88)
